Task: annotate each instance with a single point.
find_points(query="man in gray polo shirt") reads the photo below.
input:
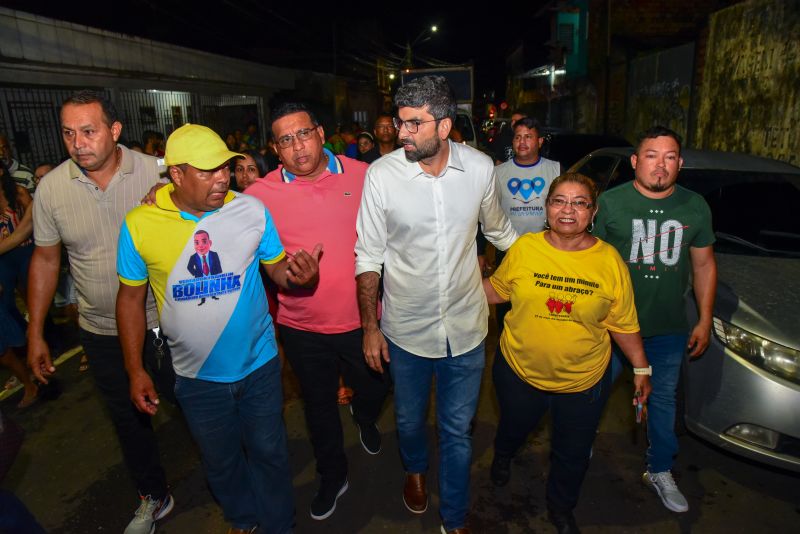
(81, 205)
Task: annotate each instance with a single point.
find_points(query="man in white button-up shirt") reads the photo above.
(417, 220)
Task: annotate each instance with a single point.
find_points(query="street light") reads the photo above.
(427, 33)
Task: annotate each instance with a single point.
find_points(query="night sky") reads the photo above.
(293, 35)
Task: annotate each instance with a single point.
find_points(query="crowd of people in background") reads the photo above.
(262, 232)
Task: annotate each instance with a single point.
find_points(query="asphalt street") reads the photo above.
(71, 476)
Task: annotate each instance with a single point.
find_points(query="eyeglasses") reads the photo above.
(301, 135)
(579, 205)
(413, 125)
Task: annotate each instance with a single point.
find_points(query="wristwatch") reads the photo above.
(643, 370)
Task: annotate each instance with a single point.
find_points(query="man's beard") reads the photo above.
(424, 150)
(659, 186)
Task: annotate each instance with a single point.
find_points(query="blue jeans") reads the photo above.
(239, 428)
(458, 382)
(665, 354)
(15, 518)
(575, 417)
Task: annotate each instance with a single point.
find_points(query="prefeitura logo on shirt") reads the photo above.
(526, 190)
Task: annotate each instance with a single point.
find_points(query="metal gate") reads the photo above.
(29, 116)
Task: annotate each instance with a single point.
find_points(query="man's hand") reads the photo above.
(39, 359)
(641, 385)
(699, 340)
(375, 348)
(150, 198)
(303, 268)
(143, 393)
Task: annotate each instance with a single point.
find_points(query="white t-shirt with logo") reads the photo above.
(522, 190)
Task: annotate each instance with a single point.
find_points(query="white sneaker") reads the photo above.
(665, 486)
(150, 511)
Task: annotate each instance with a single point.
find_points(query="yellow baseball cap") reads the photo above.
(198, 146)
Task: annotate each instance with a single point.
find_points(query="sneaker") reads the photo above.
(665, 486)
(500, 472)
(324, 503)
(150, 511)
(369, 435)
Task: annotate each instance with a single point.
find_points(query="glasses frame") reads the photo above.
(285, 141)
(575, 204)
(399, 123)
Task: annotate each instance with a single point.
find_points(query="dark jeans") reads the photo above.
(14, 274)
(575, 417)
(15, 517)
(239, 428)
(134, 429)
(317, 360)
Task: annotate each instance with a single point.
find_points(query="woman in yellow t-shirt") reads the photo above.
(570, 295)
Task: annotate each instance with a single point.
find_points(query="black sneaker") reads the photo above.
(324, 503)
(369, 435)
(500, 472)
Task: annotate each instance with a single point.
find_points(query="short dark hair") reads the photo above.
(658, 131)
(287, 108)
(202, 232)
(384, 115)
(431, 91)
(151, 134)
(576, 178)
(529, 123)
(88, 96)
(261, 163)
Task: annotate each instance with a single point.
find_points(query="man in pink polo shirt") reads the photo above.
(314, 197)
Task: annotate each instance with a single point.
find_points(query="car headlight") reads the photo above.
(777, 359)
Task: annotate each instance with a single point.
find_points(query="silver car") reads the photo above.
(743, 393)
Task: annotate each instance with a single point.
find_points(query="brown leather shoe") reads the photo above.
(414, 495)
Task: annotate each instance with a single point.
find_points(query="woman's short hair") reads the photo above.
(575, 178)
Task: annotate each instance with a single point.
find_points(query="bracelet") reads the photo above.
(643, 370)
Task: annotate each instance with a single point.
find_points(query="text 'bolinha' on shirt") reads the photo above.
(210, 297)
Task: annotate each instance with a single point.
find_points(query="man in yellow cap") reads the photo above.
(224, 353)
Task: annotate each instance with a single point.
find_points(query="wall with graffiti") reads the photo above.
(659, 91)
(750, 93)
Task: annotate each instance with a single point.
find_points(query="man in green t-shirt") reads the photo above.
(664, 233)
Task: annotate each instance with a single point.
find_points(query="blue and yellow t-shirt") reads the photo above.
(204, 274)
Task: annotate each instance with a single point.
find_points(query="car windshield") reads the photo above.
(753, 213)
